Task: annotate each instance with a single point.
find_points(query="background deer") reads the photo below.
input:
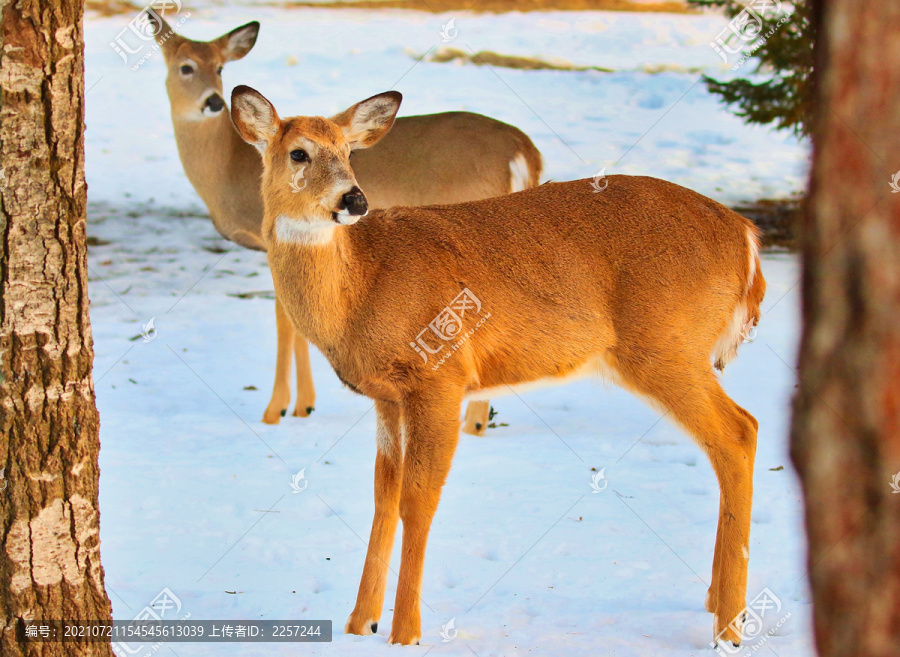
(435, 158)
(643, 284)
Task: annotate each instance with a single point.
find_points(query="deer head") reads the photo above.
(194, 82)
(307, 180)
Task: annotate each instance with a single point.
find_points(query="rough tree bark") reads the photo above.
(49, 427)
(846, 426)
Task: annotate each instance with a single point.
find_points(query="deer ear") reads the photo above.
(239, 41)
(163, 33)
(253, 116)
(370, 120)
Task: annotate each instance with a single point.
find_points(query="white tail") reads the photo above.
(437, 158)
(419, 308)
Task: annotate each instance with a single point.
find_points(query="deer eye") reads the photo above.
(219, 70)
(187, 70)
(299, 155)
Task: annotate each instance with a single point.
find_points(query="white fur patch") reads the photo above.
(206, 112)
(739, 328)
(384, 439)
(754, 256)
(519, 176)
(210, 112)
(727, 345)
(347, 219)
(300, 231)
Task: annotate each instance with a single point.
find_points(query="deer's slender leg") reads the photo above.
(477, 417)
(306, 390)
(388, 476)
(712, 595)
(281, 389)
(727, 433)
(733, 459)
(431, 425)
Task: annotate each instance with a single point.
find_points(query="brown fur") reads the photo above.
(432, 253)
(638, 282)
(436, 158)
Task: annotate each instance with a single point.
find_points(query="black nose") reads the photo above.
(355, 202)
(215, 103)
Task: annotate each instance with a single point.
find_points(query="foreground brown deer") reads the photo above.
(435, 158)
(642, 284)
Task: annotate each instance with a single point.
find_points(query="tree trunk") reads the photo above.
(846, 426)
(49, 426)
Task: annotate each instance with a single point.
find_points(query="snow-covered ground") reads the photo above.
(524, 556)
(629, 121)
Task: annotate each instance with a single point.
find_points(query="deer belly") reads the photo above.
(596, 367)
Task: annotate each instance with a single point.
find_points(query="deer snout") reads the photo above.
(214, 104)
(354, 202)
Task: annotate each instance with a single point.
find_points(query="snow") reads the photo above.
(663, 124)
(524, 556)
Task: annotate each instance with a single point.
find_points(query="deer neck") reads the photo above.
(224, 170)
(319, 279)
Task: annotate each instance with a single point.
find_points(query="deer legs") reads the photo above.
(477, 417)
(408, 488)
(388, 478)
(289, 343)
(727, 433)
